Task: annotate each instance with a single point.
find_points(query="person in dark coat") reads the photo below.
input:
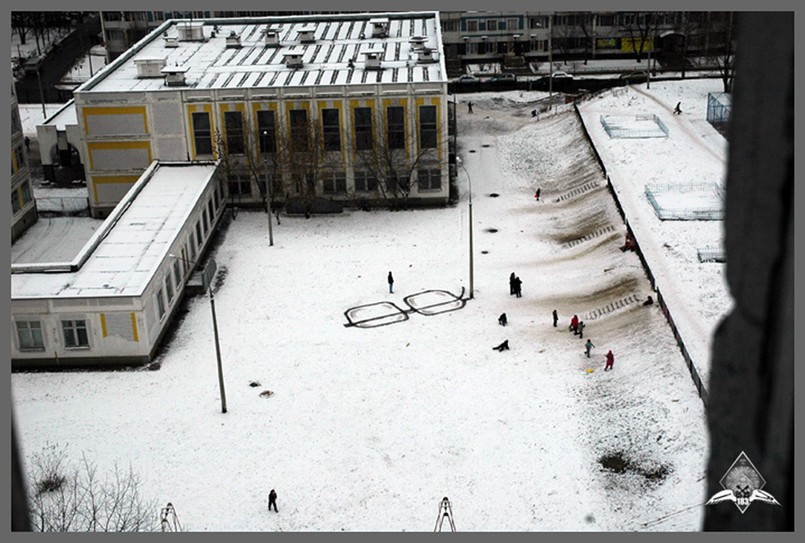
(469, 107)
(536, 194)
(518, 287)
(512, 278)
(502, 320)
(610, 360)
(574, 324)
(272, 500)
(27, 143)
(581, 329)
(649, 301)
(587, 346)
(555, 318)
(678, 109)
(391, 283)
(502, 347)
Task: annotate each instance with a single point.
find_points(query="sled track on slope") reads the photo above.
(579, 190)
(609, 308)
(588, 237)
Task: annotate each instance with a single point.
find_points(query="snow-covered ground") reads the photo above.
(368, 429)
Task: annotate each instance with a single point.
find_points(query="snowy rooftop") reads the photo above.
(135, 243)
(234, 53)
(66, 116)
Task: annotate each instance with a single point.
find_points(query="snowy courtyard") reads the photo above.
(369, 427)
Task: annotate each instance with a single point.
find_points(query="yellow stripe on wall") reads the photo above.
(104, 179)
(127, 110)
(134, 326)
(103, 325)
(116, 145)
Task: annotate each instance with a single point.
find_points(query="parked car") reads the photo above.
(561, 75)
(503, 77)
(467, 79)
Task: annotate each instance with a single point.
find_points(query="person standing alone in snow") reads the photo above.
(555, 318)
(536, 195)
(272, 500)
(678, 109)
(587, 346)
(469, 107)
(512, 279)
(391, 283)
(610, 360)
(502, 320)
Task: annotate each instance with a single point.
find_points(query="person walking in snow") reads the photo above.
(574, 324)
(678, 109)
(469, 107)
(512, 278)
(272, 500)
(536, 195)
(610, 360)
(587, 346)
(518, 287)
(27, 143)
(502, 347)
(391, 283)
(581, 329)
(502, 320)
(555, 318)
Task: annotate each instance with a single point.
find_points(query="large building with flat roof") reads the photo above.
(351, 107)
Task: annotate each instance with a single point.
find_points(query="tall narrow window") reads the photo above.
(363, 128)
(233, 123)
(396, 127)
(267, 129)
(30, 335)
(169, 286)
(75, 333)
(160, 303)
(177, 271)
(15, 201)
(330, 129)
(299, 129)
(202, 133)
(427, 127)
(25, 189)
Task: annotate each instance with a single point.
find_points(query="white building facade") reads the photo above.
(113, 303)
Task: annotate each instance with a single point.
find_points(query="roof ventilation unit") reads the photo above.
(417, 42)
(170, 41)
(149, 67)
(425, 55)
(372, 59)
(293, 60)
(271, 37)
(307, 34)
(190, 31)
(233, 41)
(174, 75)
(380, 27)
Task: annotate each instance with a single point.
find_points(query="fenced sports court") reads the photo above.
(687, 201)
(634, 126)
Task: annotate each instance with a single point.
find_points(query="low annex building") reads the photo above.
(351, 107)
(113, 302)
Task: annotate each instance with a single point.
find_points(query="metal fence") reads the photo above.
(703, 201)
(635, 126)
(719, 109)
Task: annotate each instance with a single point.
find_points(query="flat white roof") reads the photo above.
(125, 260)
(338, 38)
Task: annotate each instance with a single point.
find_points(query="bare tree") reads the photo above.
(77, 499)
(640, 26)
(720, 45)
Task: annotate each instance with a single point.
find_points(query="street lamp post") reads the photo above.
(266, 195)
(208, 280)
(469, 180)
